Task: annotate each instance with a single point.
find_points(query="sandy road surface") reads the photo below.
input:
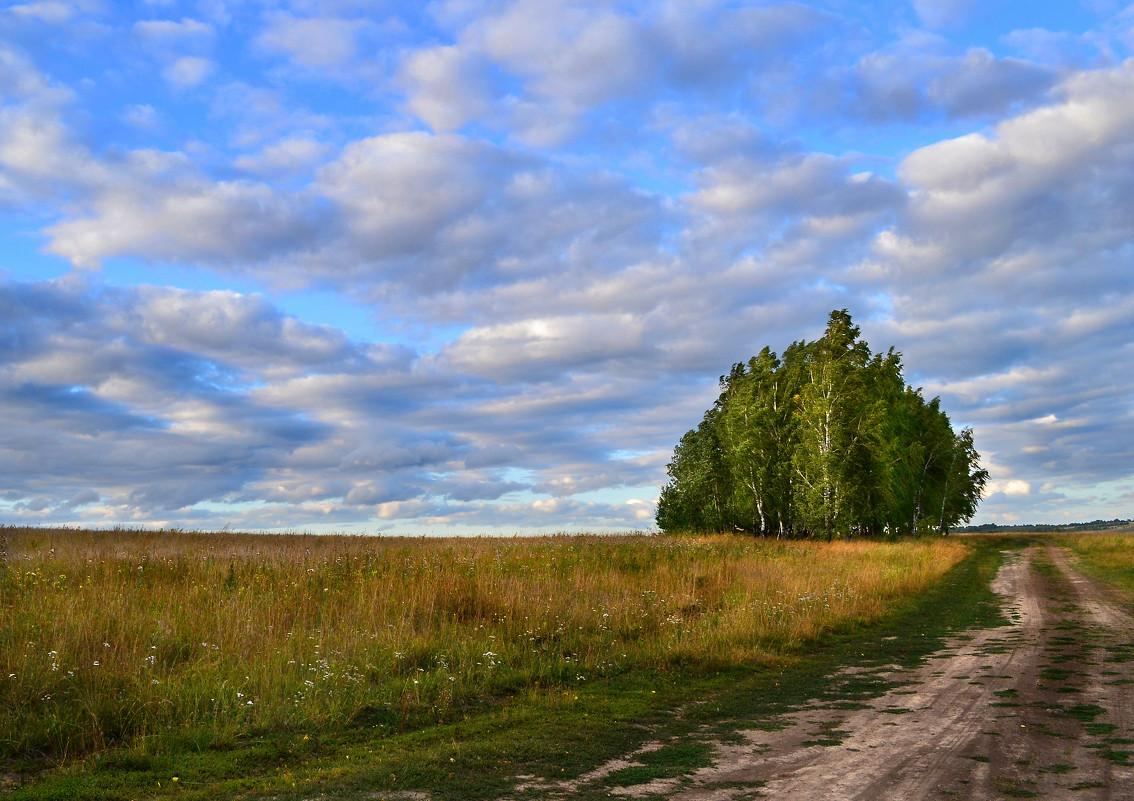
(1041, 708)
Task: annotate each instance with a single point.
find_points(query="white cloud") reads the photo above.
(614, 204)
(211, 222)
(526, 350)
(401, 191)
(922, 74)
(537, 68)
(980, 83)
(188, 71)
(576, 56)
(287, 156)
(312, 42)
(1012, 487)
(20, 80)
(812, 183)
(162, 30)
(52, 13)
(447, 87)
(942, 13)
(1030, 171)
(142, 116)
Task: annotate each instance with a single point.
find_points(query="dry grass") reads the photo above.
(112, 636)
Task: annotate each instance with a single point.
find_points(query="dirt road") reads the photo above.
(1040, 708)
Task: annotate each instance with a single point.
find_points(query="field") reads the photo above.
(160, 644)
(1105, 555)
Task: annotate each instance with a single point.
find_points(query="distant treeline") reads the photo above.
(827, 442)
(1039, 528)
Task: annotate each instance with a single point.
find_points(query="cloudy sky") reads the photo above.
(476, 265)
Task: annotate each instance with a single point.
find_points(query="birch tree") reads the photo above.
(828, 441)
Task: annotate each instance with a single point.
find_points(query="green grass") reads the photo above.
(1013, 788)
(1100, 728)
(1056, 674)
(549, 728)
(1106, 556)
(668, 762)
(1086, 712)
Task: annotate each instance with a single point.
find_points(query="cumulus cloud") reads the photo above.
(534, 348)
(152, 400)
(204, 221)
(188, 71)
(1043, 173)
(142, 116)
(440, 212)
(144, 396)
(923, 74)
(1026, 228)
(563, 220)
(161, 31)
(433, 212)
(942, 13)
(537, 69)
(50, 12)
(287, 156)
(448, 87)
(313, 42)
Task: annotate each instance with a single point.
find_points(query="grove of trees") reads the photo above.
(827, 441)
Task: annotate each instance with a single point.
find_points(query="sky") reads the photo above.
(474, 266)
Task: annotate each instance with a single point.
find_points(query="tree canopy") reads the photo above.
(827, 441)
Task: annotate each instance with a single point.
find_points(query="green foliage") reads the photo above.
(827, 442)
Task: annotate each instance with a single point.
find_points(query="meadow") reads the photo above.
(175, 640)
(1106, 555)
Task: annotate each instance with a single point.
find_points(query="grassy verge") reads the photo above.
(551, 725)
(1106, 556)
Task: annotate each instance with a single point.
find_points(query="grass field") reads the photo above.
(147, 647)
(1108, 556)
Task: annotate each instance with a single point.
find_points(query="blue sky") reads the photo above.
(468, 266)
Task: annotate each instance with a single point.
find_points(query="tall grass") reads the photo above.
(107, 637)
